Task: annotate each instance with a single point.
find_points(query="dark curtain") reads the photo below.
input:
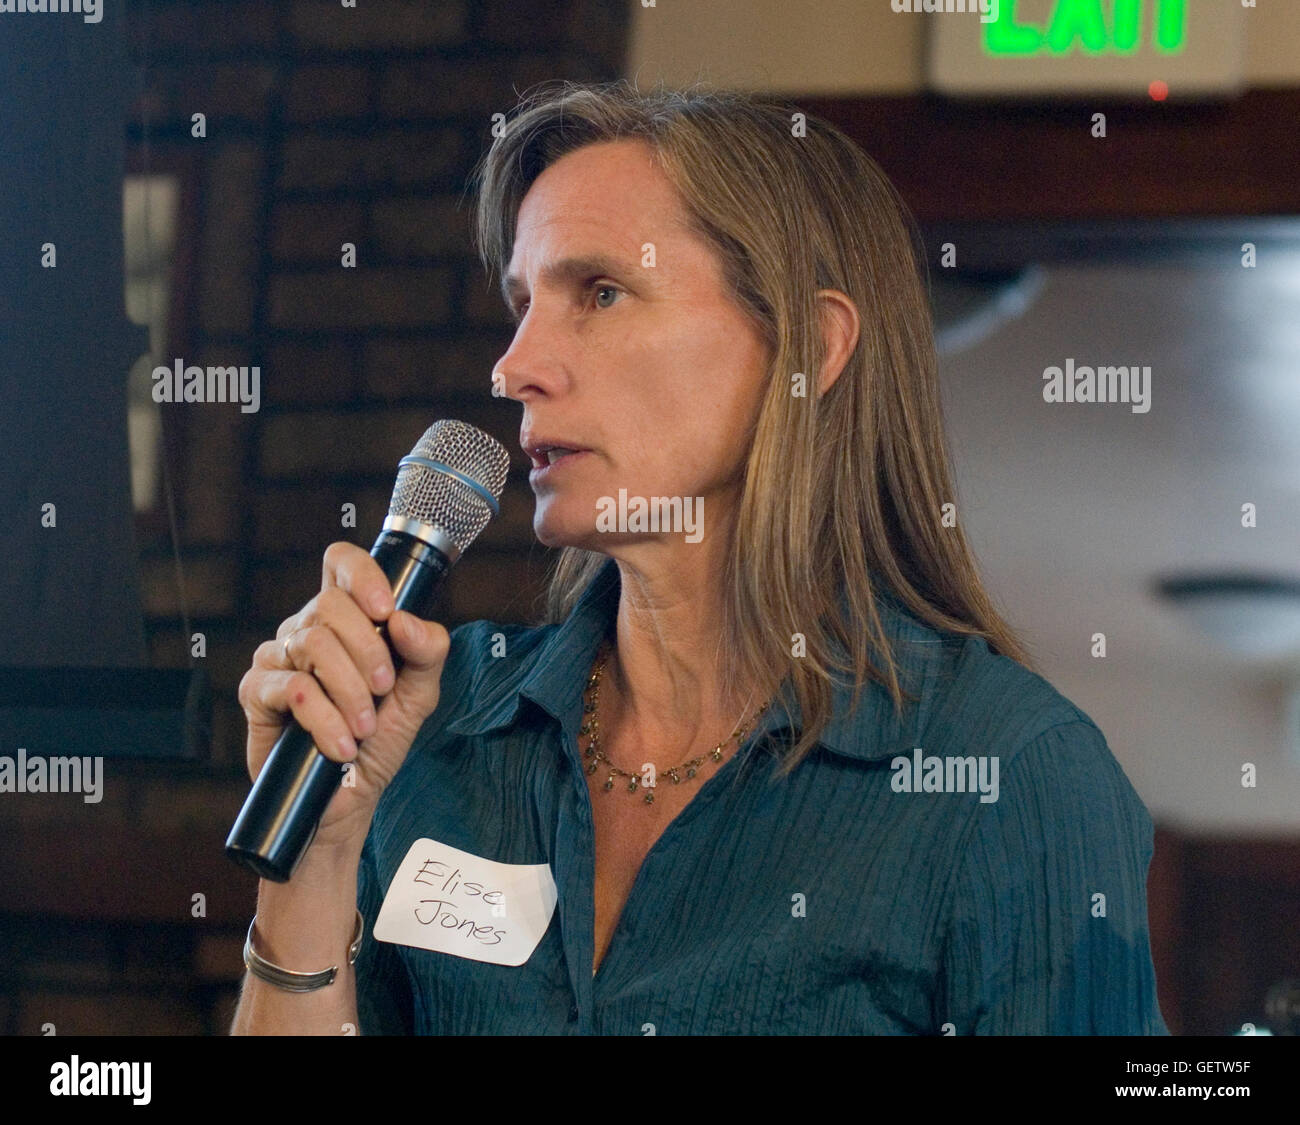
(70, 593)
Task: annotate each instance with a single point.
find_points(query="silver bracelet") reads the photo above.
(287, 979)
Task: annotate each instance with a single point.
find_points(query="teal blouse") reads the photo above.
(976, 866)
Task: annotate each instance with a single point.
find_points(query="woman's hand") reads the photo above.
(326, 665)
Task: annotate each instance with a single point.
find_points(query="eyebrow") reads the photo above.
(566, 270)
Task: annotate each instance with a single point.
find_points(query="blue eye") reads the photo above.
(605, 296)
(599, 289)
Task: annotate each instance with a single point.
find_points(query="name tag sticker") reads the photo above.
(452, 902)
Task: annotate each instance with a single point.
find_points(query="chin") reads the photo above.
(552, 531)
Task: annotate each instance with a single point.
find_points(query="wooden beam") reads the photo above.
(975, 161)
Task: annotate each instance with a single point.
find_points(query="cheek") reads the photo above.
(713, 369)
(686, 395)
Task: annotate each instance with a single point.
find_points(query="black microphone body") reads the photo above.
(296, 783)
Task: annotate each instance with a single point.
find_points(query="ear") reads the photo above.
(840, 326)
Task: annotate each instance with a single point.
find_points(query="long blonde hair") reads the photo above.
(840, 490)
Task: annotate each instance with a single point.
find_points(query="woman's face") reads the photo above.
(628, 349)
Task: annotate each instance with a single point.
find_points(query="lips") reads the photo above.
(545, 468)
(544, 452)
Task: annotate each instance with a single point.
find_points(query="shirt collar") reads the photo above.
(553, 676)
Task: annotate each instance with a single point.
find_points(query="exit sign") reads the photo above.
(1049, 47)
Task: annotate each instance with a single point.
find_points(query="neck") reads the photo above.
(663, 676)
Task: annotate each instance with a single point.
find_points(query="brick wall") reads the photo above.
(324, 125)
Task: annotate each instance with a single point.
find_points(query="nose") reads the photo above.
(533, 364)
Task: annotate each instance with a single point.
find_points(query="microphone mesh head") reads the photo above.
(435, 496)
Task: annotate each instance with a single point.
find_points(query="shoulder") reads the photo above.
(973, 701)
(969, 695)
(1054, 764)
(1045, 905)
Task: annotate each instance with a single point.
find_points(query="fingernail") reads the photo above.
(380, 603)
(382, 678)
(347, 747)
(366, 721)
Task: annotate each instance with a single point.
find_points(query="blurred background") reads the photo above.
(1088, 187)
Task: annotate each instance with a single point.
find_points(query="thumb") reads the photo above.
(423, 647)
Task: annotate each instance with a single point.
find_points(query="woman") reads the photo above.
(775, 764)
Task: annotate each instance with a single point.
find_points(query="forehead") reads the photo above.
(611, 196)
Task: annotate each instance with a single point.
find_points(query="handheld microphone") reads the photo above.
(447, 490)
